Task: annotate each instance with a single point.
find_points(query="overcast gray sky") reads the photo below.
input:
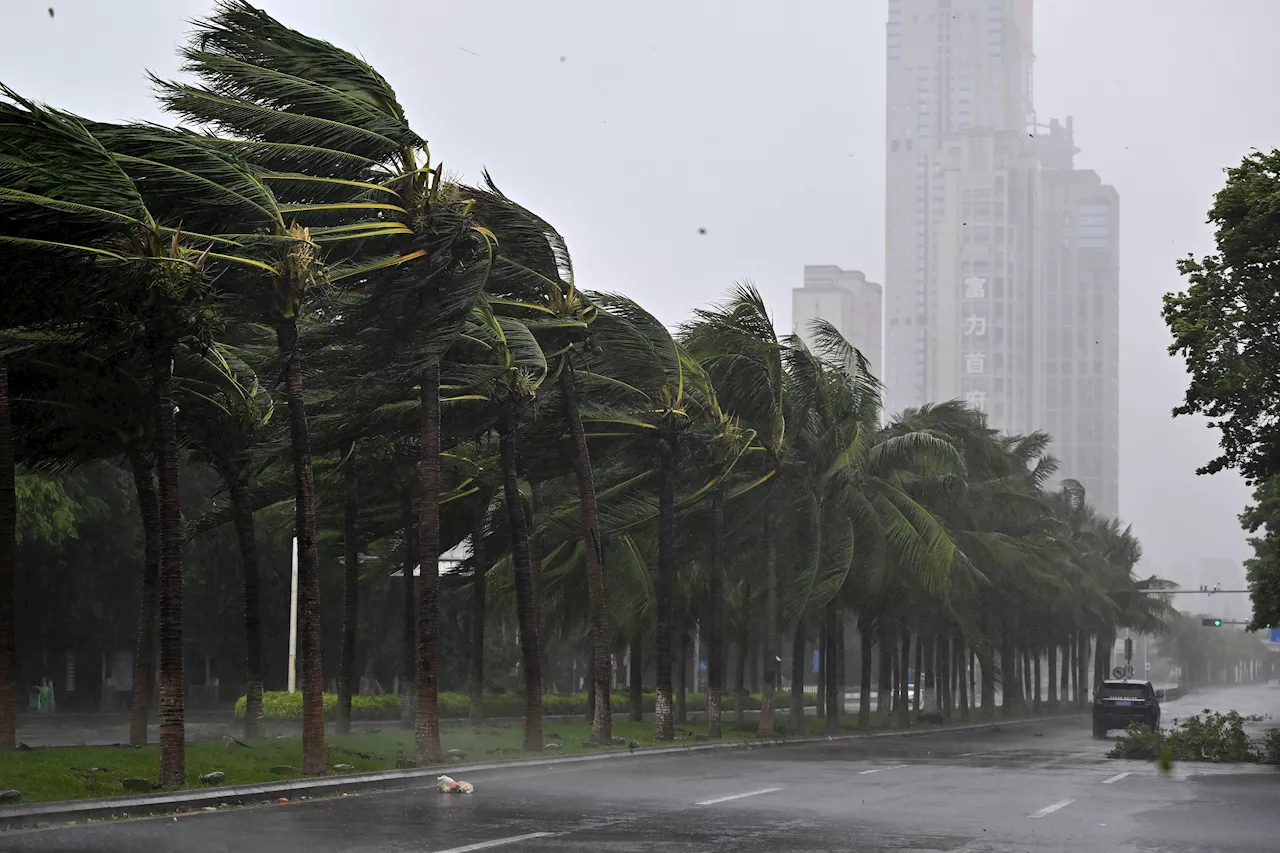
(633, 125)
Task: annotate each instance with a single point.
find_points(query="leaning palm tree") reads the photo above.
(740, 350)
(532, 279)
(519, 368)
(330, 138)
(73, 192)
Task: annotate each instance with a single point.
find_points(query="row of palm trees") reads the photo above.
(293, 245)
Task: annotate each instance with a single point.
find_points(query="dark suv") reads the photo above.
(1119, 703)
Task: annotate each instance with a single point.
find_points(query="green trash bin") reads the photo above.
(46, 700)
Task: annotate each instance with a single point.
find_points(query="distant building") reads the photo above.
(1076, 383)
(1001, 258)
(846, 300)
(957, 75)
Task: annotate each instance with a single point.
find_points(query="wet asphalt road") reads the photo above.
(1043, 786)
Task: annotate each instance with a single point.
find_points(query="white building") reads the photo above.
(846, 300)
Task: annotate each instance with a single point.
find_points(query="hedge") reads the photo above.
(456, 706)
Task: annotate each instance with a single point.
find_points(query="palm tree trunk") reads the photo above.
(682, 672)
(409, 615)
(740, 681)
(1026, 677)
(1068, 666)
(663, 723)
(715, 618)
(841, 665)
(636, 677)
(9, 574)
(480, 564)
(1035, 675)
(867, 641)
(942, 680)
(313, 752)
(831, 669)
(350, 593)
(1053, 672)
(426, 717)
(1011, 690)
(602, 719)
(884, 690)
(962, 658)
(770, 651)
(242, 510)
(173, 741)
(144, 483)
(797, 676)
(1102, 652)
(904, 679)
(525, 583)
(1083, 691)
(918, 687)
(821, 649)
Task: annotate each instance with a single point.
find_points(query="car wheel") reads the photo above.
(1099, 732)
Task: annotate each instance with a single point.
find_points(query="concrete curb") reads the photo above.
(72, 811)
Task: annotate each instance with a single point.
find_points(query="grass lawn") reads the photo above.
(77, 772)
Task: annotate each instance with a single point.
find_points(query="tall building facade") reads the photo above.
(959, 87)
(846, 300)
(1001, 258)
(1077, 381)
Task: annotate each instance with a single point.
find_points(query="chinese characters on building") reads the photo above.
(973, 329)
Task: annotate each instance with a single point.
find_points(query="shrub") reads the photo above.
(1139, 742)
(1270, 752)
(1213, 737)
(457, 706)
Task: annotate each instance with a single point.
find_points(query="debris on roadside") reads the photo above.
(447, 785)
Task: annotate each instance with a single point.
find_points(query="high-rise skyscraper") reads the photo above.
(846, 300)
(1077, 320)
(959, 105)
(1002, 258)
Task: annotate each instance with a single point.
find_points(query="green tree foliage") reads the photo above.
(615, 488)
(1226, 325)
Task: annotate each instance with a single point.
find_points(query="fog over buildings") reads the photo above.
(631, 127)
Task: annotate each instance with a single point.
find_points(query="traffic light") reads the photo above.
(1211, 623)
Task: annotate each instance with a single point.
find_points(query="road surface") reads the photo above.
(1041, 787)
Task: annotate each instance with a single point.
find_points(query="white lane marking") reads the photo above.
(1115, 778)
(1047, 810)
(497, 842)
(878, 769)
(737, 796)
(966, 754)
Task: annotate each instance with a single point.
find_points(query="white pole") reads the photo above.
(293, 621)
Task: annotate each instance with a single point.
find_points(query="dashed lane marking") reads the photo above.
(1048, 810)
(1115, 778)
(737, 796)
(497, 842)
(878, 769)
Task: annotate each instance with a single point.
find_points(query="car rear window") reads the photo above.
(1123, 691)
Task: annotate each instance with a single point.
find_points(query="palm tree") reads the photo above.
(350, 590)
(740, 350)
(148, 272)
(333, 144)
(532, 279)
